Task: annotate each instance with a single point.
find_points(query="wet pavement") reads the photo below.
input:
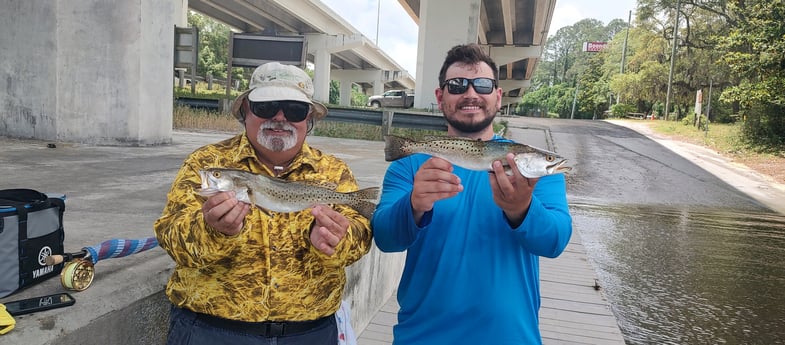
(689, 247)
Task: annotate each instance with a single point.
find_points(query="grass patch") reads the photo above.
(218, 92)
(721, 137)
(185, 118)
(727, 139)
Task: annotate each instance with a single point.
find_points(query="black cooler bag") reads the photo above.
(31, 229)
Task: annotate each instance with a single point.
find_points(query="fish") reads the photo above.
(278, 195)
(479, 155)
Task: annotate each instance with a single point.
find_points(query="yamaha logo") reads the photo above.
(43, 254)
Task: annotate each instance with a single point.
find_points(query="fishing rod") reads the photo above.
(78, 271)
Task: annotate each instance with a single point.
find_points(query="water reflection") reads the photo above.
(689, 275)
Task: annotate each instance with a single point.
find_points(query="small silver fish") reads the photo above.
(478, 155)
(279, 195)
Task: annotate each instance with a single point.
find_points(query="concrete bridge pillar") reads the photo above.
(87, 71)
(438, 32)
(321, 47)
(348, 77)
(321, 76)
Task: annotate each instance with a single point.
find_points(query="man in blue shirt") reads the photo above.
(473, 238)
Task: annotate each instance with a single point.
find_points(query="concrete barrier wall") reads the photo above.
(28, 61)
(87, 71)
(370, 282)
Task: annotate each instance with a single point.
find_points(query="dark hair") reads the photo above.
(469, 54)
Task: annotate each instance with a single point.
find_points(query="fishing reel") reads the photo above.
(78, 271)
(77, 275)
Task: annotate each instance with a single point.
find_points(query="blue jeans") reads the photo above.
(186, 329)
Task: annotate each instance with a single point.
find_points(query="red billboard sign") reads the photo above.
(593, 47)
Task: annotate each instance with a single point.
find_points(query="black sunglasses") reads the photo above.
(293, 111)
(457, 86)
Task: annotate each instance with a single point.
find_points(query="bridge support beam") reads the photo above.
(87, 71)
(348, 77)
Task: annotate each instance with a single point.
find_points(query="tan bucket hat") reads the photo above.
(274, 81)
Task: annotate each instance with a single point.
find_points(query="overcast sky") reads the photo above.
(397, 32)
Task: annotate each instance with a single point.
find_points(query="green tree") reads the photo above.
(214, 48)
(594, 93)
(755, 51)
(213, 44)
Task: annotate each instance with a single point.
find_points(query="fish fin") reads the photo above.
(364, 208)
(438, 137)
(370, 193)
(322, 184)
(265, 211)
(394, 147)
(252, 197)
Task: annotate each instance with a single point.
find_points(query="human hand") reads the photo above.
(224, 213)
(434, 181)
(328, 229)
(512, 193)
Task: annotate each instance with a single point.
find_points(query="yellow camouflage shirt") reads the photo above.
(269, 271)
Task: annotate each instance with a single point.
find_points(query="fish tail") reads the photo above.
(365, 208)
(370, 193)
(395, 147)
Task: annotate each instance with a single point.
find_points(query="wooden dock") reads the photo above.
(572, 311)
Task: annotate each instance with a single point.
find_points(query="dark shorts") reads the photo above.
(189, 328)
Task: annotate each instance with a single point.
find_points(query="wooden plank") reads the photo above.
(572, 311)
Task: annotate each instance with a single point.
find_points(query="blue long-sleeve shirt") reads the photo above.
(469, 277)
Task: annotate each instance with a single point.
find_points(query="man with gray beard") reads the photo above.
(245, 276)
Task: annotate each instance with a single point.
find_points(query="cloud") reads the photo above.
(569, 12)
(565, 14)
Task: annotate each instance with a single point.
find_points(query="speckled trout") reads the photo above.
(478, 155)
(274, 194)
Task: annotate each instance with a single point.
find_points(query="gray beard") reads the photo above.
(277, 144)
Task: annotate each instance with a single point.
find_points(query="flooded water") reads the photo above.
(689, 275)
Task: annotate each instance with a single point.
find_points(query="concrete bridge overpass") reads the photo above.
(514, 32)
(337, 50)
(92, 72)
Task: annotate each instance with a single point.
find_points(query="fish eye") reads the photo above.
(549, 158)
(217, 174)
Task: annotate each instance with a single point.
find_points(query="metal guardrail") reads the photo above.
(389, 118)
(198, 103)
(386, 117)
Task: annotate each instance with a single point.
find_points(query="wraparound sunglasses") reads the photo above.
(457, 86)
(294, 111)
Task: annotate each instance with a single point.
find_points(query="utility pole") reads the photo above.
(624, 50)
(378, 15)
(575, 99)
(673, 59)
(708, 108)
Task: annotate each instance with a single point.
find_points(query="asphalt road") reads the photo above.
(614, 163)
